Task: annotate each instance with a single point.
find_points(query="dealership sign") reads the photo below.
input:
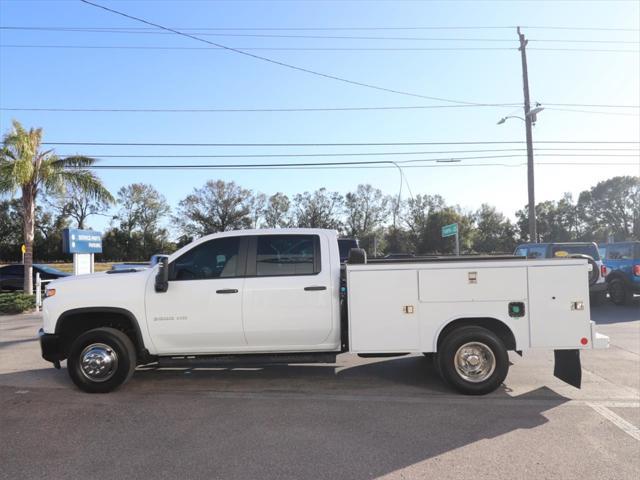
(81, 241)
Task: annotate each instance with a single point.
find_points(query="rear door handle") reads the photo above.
(314, 288)
(228, 290)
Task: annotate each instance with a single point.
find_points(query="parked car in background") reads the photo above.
(396, 256)
(345, 245)
(598, 273)
(12, 276)
(130, 266)
(622, 260)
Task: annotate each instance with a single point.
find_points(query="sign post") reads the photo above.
(450, 231)
(23, 249)
(83, 244)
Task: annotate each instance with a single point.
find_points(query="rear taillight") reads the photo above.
(636, 270)
(603, 270)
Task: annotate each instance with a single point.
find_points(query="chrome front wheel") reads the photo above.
(98, 362)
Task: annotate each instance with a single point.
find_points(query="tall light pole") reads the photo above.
(529, 119)
(533, 237)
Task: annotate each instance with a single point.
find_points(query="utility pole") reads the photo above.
(533, 237)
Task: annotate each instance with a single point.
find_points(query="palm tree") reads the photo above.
(24, 166)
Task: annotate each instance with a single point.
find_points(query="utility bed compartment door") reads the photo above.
(556, 294)
(383, 310)
(473, 284)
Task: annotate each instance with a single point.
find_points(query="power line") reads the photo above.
(192, 31)
(599, 112)
(275, 62)
(366, 154)
(349, 28)
(314, 49)
(302, 167)
(350, 144)
(609, 50)
(300, 109)
(275, 49)
(240, 110)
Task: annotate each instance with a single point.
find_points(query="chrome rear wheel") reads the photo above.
(475, 362)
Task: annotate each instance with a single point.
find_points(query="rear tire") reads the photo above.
(619, 293)
(101, 360)
(473, 360)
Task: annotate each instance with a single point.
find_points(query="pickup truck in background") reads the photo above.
(588, 250)
(282, 295)
(622, 260)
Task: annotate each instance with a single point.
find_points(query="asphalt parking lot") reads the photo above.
(357, 419)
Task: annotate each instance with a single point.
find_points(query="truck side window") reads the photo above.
(620, 252)
(287, 255)
(213, 259)
(536, 252)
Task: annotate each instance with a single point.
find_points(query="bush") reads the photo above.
(16, 302)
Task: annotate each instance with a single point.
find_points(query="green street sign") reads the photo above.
(450, 230)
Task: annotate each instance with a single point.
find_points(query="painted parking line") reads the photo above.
(617, 420)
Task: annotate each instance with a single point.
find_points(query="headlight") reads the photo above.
(49, 292)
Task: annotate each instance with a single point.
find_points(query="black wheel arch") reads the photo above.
(75, 322)
(617, 275)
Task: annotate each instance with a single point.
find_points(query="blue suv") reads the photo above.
(622, 260)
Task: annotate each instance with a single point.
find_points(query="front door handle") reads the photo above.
(228, 290)
(314, 288)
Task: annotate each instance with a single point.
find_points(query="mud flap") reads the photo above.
(567, 367)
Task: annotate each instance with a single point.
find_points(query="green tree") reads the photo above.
(366, 211)
(276, 214)
(142, 210)
(25, 167)
(320, 209)
(216, 207)
(494, 232)
(74, 204)
(612, 208)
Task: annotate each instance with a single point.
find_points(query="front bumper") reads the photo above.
(52, 347)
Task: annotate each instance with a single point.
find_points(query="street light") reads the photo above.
(533, 114)
(529, 119)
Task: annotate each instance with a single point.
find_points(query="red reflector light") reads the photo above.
(584, 340)
(636, 270)
(603, 270)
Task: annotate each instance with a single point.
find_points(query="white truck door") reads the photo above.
(287, 300)
(201, 312)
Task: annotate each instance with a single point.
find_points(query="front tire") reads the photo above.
(101, 360)
(473, 360)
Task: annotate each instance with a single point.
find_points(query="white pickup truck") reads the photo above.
(282, 296)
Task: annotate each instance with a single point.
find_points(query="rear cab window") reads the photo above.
(287, 255)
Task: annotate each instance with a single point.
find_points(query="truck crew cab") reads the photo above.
(281, 295)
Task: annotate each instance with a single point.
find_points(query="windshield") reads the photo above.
(588, 249)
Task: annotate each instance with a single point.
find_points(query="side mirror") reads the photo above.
(162, 277)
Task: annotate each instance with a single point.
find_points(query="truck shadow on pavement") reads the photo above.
(311, 421)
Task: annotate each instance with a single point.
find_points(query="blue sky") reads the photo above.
(154, 78)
